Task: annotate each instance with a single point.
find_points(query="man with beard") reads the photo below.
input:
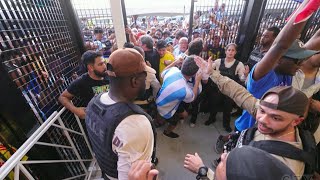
(276, 68)
(266, 40)
(120, 131)
(278, 114)
(89, 84)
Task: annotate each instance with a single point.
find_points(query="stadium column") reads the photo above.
(118, 22)
(249, 26)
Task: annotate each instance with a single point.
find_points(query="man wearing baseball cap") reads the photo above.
(278, 113)
(120, 131)
(277, 67)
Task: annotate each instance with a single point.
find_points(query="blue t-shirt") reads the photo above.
(257, 89)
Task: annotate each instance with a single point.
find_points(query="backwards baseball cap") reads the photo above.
(251, 163)
(127, 62)
(291, 100)
(296, 51)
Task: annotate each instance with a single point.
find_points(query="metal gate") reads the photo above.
(227, 13)
(312, 27)
(39, 54)
(93, 15)
(275, 14)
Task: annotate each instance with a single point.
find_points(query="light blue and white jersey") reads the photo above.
(174, 90)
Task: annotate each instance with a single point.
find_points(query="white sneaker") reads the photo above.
(192, 125)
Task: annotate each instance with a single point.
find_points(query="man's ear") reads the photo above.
(297, 121)
(90, 67)
(134, 82)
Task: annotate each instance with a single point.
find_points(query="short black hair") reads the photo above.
(161, 44)
(189, 66)
(89, 56)
(180, 34)
(140, 50)
(195, 47)
(147, 40)
(128, 45)
(97, 30)
(275, 30)
(166, 32)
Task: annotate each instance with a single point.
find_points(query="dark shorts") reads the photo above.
(175, 118)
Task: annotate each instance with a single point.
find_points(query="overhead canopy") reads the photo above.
(156, 12)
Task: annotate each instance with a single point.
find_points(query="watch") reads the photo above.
(202, 172)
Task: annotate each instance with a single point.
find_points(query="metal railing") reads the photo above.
(15, 163)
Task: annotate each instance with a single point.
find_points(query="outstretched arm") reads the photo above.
(283, 41)
(314, 42)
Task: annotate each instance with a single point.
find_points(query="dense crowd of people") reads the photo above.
(160, 77)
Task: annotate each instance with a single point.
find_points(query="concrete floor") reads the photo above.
(200, 139)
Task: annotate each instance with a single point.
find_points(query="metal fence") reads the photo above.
(312, 27)
(275, 14)
(39, 55)
(37, 51)
(92, 15)
(227, 15)
(78, 163)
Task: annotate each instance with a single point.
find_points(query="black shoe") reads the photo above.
(228, 129)
(208, 122)
(171, 134)
(219, 145)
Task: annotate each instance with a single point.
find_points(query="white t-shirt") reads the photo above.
(132, 140)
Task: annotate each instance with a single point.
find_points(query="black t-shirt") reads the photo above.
(216, 52)
(255, 56)
(85, 87)
(154, 58)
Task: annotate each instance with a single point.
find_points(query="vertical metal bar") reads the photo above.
(72, 144)
(118, 24)
(191, 20)
(26, 172)
(17, 172)
(73, 23)
(308, 26)
(249, 28)
(124, 15)
(84, 134)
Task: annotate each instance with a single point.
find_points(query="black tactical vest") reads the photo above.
(101, 122)
(229, 72)
(255, 57)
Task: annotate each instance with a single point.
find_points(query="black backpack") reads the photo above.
(309, 155)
